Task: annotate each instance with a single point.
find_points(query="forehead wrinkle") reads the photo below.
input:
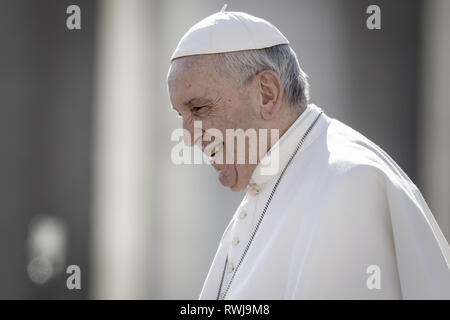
(203, 67)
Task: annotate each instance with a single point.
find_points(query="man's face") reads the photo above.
(200, 93)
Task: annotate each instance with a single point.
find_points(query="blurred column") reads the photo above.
(435, 111)
(123, 118)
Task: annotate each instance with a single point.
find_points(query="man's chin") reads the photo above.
(228, 178)
(237, 188)
(225, 178)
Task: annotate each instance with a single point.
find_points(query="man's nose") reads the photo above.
(191, 134)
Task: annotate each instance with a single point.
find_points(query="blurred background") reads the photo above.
(86, 174)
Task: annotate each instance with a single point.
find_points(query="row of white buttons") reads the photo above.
(236, 241)
(242, 216)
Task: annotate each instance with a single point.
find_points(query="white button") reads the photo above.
(253, 190)
(230, 267)
(243, 214)
(236, 241)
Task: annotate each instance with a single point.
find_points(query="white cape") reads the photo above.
(345, 223)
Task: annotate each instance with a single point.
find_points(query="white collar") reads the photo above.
(282, 150)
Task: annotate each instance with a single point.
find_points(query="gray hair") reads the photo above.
(281, 59)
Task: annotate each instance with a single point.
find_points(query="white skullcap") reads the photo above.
(227, 32)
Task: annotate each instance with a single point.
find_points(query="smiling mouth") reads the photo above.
(214, 152)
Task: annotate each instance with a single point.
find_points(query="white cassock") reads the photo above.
(344, 223)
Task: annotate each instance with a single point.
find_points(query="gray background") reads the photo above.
(72, 102)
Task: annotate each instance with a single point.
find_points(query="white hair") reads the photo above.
(281, 59)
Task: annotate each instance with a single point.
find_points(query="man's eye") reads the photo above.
(197, 109)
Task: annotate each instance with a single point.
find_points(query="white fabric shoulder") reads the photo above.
(422, 252)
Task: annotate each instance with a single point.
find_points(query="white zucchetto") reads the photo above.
(226, 32)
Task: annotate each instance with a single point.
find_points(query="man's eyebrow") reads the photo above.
(196, 101)
(192, 102)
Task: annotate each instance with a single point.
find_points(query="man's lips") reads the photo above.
(214, 151)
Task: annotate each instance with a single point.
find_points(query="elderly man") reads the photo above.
(337, 218)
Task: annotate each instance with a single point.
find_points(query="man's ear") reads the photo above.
(270, 94)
